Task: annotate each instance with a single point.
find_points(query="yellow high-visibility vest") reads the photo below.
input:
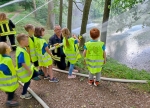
(94, 56)
(7, 31)
(71, 55)
(43, 60)
(32, 50)
(22, 73)
(8, 83)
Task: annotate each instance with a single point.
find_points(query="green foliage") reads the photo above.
(27, 4)
(96, 10)
(113, 69)
(116, 70)
(119, 6)
(11, 8)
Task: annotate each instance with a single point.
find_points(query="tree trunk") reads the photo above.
(69, 20)
(60, 12)
(51, 16)
(84, 21)
(34, 6)
(105, 21)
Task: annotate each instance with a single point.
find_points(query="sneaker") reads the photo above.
(96, 83)
(36, 78)
(90, 82)
(75, 70)
(41, 73)
(26, 96)
(12, 103)
(71, 76)
(46, 77)
(54, 80)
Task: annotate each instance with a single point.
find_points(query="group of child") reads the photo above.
(33, 49)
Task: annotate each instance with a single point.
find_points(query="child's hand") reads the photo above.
(74, 36)
(57, 45)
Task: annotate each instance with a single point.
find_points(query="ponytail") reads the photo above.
(67, 42)
(66, 33)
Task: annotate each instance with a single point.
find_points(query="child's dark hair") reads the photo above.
(21, 37)
(3, 47)
(28, 27)
(94, 33)
(38, 31)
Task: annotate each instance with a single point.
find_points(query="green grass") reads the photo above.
(114, 69)
(30, 20)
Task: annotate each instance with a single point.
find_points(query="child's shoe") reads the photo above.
(12, 103)
(90, 82)
(36, 78)
(71, 76)
(46, 77)
(54, 80)
(74, 70)
(41, 73)
(96, 83)
(26, 96)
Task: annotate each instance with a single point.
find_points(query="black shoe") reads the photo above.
(12, 103)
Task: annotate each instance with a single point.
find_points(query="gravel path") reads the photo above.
(76, 93)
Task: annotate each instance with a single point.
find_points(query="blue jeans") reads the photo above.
(71, 69)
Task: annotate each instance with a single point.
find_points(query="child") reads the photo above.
(7, 28)
(25, 70)
(8, 78)
(70, 50)
(95, 56)
(31, 48)
(44, 54)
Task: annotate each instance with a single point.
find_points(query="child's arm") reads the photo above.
(27, 68)
(104, 55)
(74, 36)
(48, 51)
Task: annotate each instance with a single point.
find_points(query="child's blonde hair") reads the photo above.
(66, 34)
(3, 47)
(21, 37)
(3, 16)
(28, 27)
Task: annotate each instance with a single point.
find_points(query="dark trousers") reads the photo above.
(27, 84)
(11, 39)
(10, 95)
(62, 64)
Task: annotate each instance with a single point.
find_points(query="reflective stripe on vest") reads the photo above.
(8, 83)
(32, 49)
(22, 73)
(8, 32)
(22, 69)
(98, 66)
(94, 56)
(94, 60)
(13, 83)
(9, 78)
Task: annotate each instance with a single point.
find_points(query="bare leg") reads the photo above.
(45, 71)
(50, 72)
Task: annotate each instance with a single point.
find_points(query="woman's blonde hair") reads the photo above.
(66, 34)
(3, 47)
(3, 16)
